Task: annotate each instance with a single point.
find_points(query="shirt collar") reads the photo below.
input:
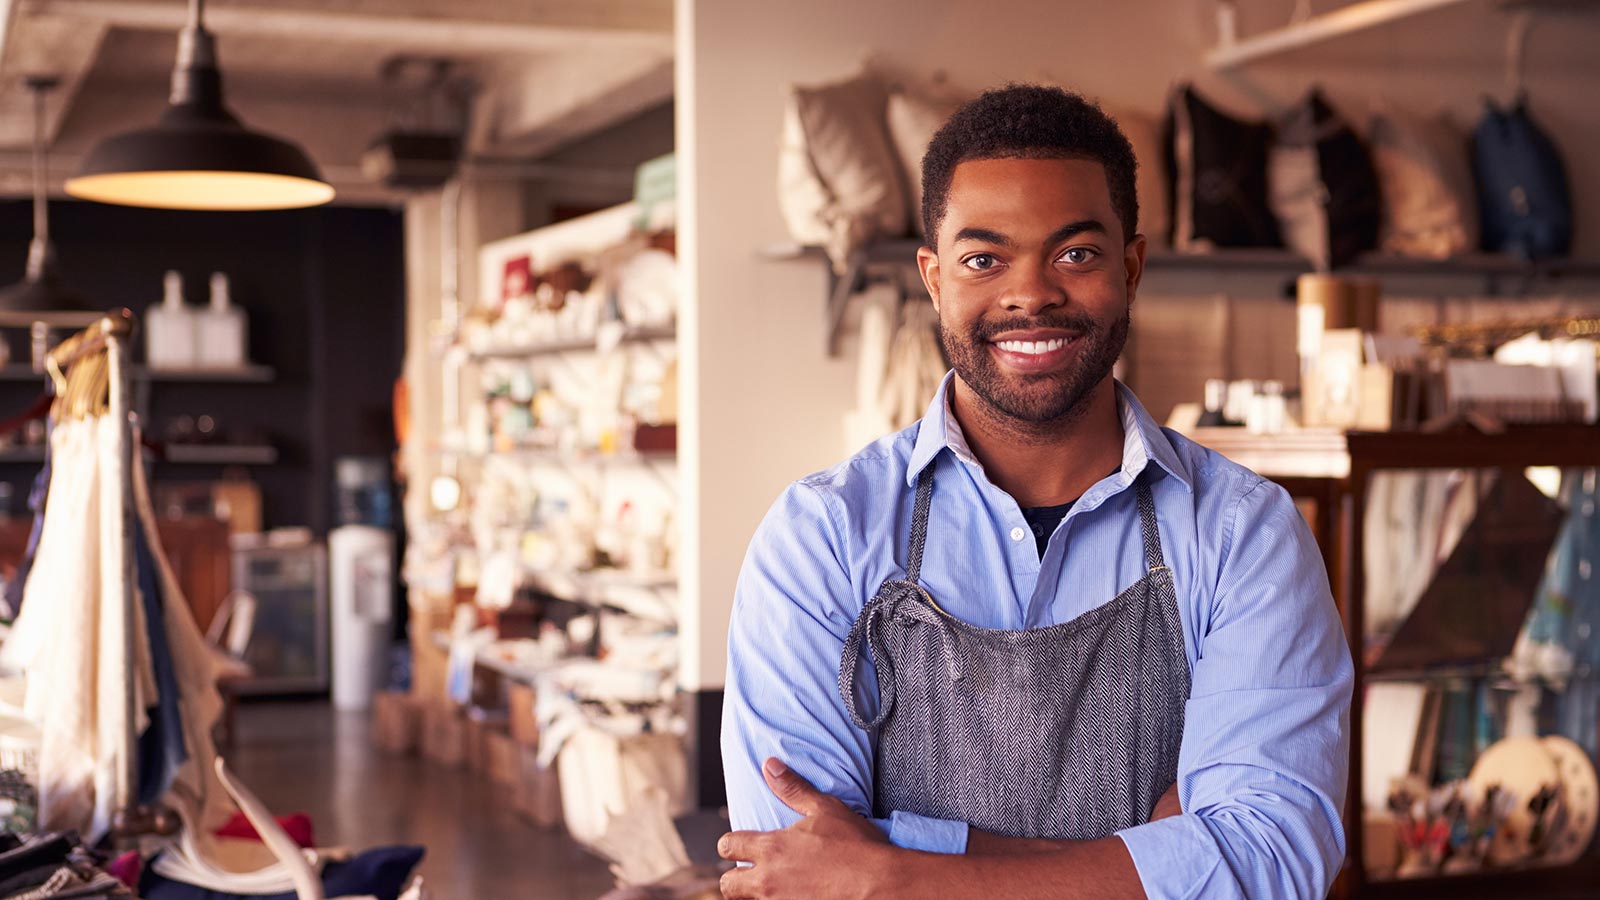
(1143, 440)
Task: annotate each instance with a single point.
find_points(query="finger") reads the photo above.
(795, 792)
(741, 846)
(740, 884)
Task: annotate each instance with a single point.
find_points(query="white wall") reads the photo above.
(766, 399)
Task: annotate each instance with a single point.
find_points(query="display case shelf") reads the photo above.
(571, 345)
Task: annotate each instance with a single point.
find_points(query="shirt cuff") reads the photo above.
(910, 831)
(1173, 856)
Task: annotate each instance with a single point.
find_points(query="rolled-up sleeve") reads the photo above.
(793, 607)
(1263, 768)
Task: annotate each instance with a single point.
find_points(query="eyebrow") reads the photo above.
(1071, 229)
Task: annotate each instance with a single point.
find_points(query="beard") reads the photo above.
(1055, 398)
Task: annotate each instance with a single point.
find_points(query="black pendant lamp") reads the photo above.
(198, 155)
(41, 296)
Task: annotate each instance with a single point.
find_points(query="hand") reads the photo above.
(1168, 805)
(830, 854)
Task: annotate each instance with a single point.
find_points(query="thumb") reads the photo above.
(788, 786)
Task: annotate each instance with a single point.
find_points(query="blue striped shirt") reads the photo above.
(1263, 766)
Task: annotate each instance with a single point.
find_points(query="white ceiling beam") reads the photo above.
(63, 48)
(555, 100)
(1231, 53)
(368, 24)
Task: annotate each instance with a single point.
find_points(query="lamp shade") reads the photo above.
(191, 160)
(198, 155)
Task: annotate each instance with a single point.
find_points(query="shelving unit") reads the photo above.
(1335, 471)
(890, 261)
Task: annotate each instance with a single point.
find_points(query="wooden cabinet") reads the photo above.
(197, 548)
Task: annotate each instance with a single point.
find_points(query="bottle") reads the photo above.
(1216, 397)
(170, 333)
(221, 334)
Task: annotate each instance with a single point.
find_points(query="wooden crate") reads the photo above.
(444, 735)
(396, 723)
(538, 791)
(520, 699)
(503, 762)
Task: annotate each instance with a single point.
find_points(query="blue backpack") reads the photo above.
(1523, 198)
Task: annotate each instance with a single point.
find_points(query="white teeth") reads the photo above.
(1032, 347)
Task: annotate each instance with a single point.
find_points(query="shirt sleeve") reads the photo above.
(793, 606)
(1263, 768)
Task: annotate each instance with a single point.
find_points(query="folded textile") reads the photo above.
(43, 849)
(381, 872)
(296, 825)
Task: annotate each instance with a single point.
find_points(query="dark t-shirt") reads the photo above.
(1043, 520)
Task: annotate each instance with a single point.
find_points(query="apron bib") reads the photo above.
(1069, 731)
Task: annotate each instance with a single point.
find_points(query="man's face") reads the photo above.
(1033, 281)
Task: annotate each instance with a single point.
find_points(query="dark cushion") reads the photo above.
(1524, 199)
(1217, 172)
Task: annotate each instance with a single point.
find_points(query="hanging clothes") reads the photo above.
(71, 637)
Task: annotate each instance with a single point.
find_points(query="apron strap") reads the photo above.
(919, 523)
(1153, 558)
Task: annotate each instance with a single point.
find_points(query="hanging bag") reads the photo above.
(1523, 196)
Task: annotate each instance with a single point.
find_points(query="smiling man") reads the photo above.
(1034, 645)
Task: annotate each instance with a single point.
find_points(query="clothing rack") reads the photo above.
(109, 337)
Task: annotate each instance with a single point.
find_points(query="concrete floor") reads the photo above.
(303, 756)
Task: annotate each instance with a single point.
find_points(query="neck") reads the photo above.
(1043, 464)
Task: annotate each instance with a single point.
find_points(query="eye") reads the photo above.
(980, 262)
(1079, 255)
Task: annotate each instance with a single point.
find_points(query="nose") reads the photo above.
(1033, 290)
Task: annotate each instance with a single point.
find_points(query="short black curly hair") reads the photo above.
(1029, 121)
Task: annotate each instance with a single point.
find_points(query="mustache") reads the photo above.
(986, 330)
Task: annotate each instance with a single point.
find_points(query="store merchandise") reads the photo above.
(1525, 203)
(1429, 209)
(171, 328)
(1322, 186)
(839, 180)
(220, 336)
(1217, 176)
(913, 118)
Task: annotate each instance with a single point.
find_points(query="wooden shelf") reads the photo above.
(221, 454)
(572, 345)
(871, 262)
(21, 455)
(245, 375)
(253, 374)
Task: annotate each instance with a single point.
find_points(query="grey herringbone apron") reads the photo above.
(1069, 731)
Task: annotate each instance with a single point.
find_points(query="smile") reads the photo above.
(1032, 348)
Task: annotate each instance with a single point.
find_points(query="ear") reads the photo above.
(1133, 264)
(928, 267)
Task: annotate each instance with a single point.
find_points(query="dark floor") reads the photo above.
(304, 756)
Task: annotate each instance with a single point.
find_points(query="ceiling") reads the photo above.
(546, 72)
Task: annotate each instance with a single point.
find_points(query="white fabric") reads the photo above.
(839, 183)
(1295, 190)
(913, 120)
(69, 639)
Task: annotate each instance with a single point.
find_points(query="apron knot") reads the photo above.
(901, 602)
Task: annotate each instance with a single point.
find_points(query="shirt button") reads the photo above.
(1018, 534)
